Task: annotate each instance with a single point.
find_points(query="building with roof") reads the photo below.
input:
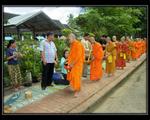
(8, 16)
(36, 22)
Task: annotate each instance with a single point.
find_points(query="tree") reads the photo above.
(71, 22)
(118, 21)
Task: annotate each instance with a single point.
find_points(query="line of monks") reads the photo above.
(116, 54)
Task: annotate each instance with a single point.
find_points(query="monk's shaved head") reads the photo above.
(122, 38)
(71, 37)
(114, 38)
(108, 39)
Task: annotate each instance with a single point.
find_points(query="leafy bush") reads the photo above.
(66, 32)
(31, 60)
(61, 45)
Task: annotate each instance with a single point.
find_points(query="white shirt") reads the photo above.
(49, 49)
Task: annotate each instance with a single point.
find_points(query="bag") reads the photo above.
(57, 76)
(124, 56)
(121, 54)
(109, 59)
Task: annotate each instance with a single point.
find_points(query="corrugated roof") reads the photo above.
(22, 18)
(9, 15)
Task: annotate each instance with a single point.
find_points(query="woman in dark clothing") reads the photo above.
(13, 65)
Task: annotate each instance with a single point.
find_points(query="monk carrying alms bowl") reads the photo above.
(67, 67)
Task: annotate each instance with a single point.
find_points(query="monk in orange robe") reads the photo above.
(120, 62)
(128, 52)
(124, 49)
(143, 46)
(114, 40)
(110, 57)
(75, 61)
(139, 48)
(96, 62)
(133, 50)
(136, 49)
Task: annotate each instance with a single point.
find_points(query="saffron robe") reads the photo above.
(120, 61)
(110, 61)
(76, 55)
(96, 64)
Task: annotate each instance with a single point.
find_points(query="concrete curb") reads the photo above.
(101, 93)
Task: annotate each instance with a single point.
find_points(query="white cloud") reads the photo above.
(59, 13)
(62, 13)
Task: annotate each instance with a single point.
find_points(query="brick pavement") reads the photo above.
(63, 101)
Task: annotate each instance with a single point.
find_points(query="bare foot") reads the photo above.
(76, 94)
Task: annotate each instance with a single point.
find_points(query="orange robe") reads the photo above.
(139, 49)
(143, 47)
(128, 52)
(76, 55)
(136, 49)
(133, 50)
(96, 64)
(120, 61)
(110, 61)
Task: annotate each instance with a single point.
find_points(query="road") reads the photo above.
(128, 97)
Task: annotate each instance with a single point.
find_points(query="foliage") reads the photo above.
(31, 60)
(61, 45)
(72, 23)
(91, 35)
(66, 32)
(31, 57)
(111, 21)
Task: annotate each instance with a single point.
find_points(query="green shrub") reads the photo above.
(66, 32)
(31, 60)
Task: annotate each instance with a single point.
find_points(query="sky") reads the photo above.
(58, 13)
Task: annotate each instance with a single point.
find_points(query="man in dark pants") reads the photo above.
(49, 58)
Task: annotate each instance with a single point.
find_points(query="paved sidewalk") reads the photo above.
(63, 100)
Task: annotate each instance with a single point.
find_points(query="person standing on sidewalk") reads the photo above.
(128, 52)
(114, 40)
(87, 47)
(75, 61)
(49, 58)
(120, 63)
(13, 65)
(96, 62)
(110, 59)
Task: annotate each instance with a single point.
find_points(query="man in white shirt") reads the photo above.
(49, 58)
(87, 47)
